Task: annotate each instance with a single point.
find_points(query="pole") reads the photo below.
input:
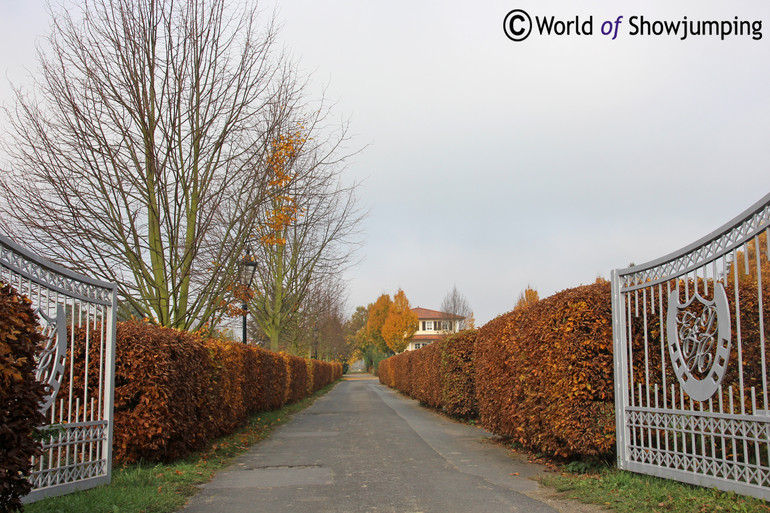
(245, 313)
(248, 261)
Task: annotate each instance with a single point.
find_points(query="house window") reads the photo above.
(427, 325)
(417, 346)
(445, 325)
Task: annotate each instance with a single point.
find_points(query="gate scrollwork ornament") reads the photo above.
(50, 363)
(698, 334)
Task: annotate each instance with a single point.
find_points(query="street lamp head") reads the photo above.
(248, 261)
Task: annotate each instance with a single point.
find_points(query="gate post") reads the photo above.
(621, 368)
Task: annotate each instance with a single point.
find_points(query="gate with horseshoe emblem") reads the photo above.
(690, 342)
(77, 317)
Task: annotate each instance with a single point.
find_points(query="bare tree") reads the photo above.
(455, 303)
(317, 328)
(140, 156)
(322, 326)
(311, 238)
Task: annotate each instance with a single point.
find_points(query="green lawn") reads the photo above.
(626, 492)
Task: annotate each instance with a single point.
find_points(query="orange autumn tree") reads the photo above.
(400, 325)
(746, 261)
(527, 298)
(378, 313)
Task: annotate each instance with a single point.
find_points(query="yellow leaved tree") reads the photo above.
(378, 313)
(400, 325)
(528, 297)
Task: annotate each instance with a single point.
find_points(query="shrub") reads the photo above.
(273, 378)
(175, 391)
(439, 375)
(385, 372)
(226, 402)
(458, 383)
(323, 374)
(168, 393)
(20, 396)
(544, 373)
(297, 384)
(425, 377)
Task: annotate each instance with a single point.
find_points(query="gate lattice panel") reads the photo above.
(77, 315)
(690, 334)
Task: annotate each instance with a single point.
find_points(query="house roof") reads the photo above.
(424, 313)
(432, 338)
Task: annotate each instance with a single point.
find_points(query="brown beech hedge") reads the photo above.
(544, 373)
(439, 375)
(175, 391)
(20, 396)
(541, 374)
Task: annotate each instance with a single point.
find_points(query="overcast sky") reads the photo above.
(493, 164)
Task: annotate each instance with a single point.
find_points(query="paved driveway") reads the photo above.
(365, 448)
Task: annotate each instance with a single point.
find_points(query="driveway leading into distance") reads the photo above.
(365, 448)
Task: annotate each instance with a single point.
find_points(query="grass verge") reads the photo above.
(164, 488)
(603, 484)
(626, 492)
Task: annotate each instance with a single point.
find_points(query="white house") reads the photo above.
(432, 326)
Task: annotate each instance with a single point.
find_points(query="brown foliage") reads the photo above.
(273, 378)
(297, 386)
(321, 374)
(545, 373)
(20, 396)
(167, 393)
(439, 375)
(458, 383)
(175, 391)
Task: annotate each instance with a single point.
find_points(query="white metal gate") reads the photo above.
(691, 387)
(78, 318)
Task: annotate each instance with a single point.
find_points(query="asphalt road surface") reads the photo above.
(365, 448)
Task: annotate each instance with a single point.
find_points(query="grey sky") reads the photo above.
(493, 164)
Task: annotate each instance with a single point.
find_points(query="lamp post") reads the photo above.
(248, 261)
(315, 340)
